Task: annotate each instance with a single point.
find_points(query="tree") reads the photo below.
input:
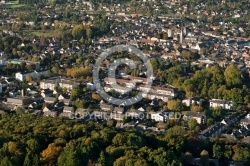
(89, 33)
(173, 74)
(31, 159)
(111, 123)
(119, 139)
(51, 153)
(175, 105)
(241, 153)
(228, 152)
(232, 76)
(210, 121)
(102, 159)
(155, 64)
(6, 162)
(52, 2)
(196, 108)
(74, 93)
(79, 31)
(175, 137)
(29, 78)
(217, 151)
(96, 96)
(192, 123)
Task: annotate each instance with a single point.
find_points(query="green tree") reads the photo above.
(228, 152)
(31, 159)
(173, 74)
(217, 151)
(75, 93)
(232, 76)
(6, 162)
(155, 64)
(175, 105)
(102, 159)
(89, 32)
(192, 123)
(79, 31)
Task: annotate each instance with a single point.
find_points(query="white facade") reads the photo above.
(22, 76)
(117, 89)
(61, 82)
(188, 102)
(227, 105)
(157, 117)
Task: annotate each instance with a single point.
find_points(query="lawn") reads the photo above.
(39, 33)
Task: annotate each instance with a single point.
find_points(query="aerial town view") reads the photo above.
(124, 83)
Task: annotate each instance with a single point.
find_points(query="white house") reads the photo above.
(119, 89)
(112, 81)
(199, 117)
(53, 82)
(194, 100)
(158, 117)
(21, 76)
(227, 105)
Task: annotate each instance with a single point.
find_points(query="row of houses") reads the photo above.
(153, 92)
(21, 76)
(216, 129)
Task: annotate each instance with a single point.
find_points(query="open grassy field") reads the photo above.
(39, 33)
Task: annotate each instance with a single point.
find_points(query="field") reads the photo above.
(39, 33)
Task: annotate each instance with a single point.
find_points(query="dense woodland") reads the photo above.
(33, 140)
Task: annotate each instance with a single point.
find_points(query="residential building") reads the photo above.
(227, 105)
(21, 76)
(68, 109)
(230, 120)
(19, 100)
(81, 113)
(119, 110)
(46, 93)
(212, 131)
(113, 81)
(158, 117)
(193, 100)
(50, 99)
(53, 82)
(17, 61)
(245, 121)
(106, 107)
(118, 89)
(198, 116)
